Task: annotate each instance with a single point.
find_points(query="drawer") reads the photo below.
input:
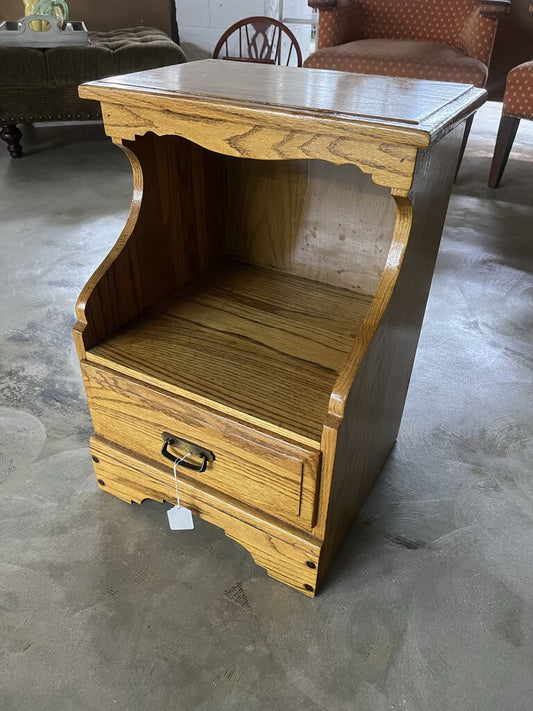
(251, 466)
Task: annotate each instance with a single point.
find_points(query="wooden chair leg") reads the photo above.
(468, 126)
(504, 143)
(12, 135)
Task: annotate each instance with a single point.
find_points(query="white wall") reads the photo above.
(202, 22)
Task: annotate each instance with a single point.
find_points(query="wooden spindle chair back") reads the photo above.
(263, 40)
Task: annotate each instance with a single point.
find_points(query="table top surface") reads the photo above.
(390, 101)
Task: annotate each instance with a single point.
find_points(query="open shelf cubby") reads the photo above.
(267, 271)
(247, 340)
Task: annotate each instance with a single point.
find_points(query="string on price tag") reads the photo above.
(179, 518)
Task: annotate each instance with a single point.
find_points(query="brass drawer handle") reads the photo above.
(184, 447)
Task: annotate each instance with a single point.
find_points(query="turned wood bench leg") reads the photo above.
(12, 135)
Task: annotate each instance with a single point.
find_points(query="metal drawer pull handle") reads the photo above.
(185, 447)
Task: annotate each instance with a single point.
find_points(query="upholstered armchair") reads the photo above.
(444, 40)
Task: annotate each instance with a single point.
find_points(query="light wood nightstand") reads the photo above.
(262, 307)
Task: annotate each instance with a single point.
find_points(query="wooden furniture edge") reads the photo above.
(386, 150)
(400, 238)
(81, 326)
(495, 8)
(272, 547)
(109, 93)
(464, 108)
(322, 4)
(365, 436)
(488, 8)
(274, 137)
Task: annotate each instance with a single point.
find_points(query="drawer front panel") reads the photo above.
(251, 466)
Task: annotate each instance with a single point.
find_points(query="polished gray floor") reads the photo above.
(429, 606)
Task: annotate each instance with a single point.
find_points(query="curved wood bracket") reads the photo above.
(168, 236)
(103, 305)
(391, 164)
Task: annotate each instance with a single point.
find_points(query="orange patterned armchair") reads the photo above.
(445, 40)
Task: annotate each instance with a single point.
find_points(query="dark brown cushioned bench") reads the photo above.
(42, 84)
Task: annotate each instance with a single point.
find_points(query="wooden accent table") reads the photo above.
(264, 301)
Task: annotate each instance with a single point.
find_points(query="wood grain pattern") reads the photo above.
(286, 555)
(292, 358)
(310, 218)
(400, 107)
(389, 164)
(169, 237)
(387, 284)
(254, 467)
(221, 343)
(356, 446)
(245, 111)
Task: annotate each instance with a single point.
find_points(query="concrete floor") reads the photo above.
(429, 605)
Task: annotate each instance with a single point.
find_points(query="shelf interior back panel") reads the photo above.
(255, 343)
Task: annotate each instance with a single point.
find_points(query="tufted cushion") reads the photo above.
(42, 84)
(109, 53)
(20, 65)
(404, 58)
(518, 97)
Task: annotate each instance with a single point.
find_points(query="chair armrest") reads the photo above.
(477, 36)
(495, 8)
(321, 4)
(337, 21)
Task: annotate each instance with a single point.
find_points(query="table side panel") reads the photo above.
(356, 447)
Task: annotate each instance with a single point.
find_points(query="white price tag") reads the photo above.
(180, 519)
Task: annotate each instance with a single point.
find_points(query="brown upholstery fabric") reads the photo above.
(21, 66)
(457, 23)
(42, 84)
(445, 40)
(477, 36)
(404, 58)
(518, 97)
(38, 103)
(339, 24)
